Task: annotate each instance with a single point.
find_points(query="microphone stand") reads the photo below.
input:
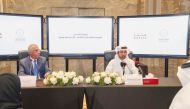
(140, 70)
(123, 70)
(123, 64)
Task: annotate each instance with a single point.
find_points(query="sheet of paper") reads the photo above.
(28, 81)
(133, 79)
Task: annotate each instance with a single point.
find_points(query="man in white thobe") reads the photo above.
(121, 63)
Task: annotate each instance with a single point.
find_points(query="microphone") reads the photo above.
(123, 64)
(140, 70)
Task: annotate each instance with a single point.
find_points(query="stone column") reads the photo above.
(1, 5)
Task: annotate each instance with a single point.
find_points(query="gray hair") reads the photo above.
(31, 46)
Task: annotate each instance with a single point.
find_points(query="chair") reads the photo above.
(10, 91)
(24, 53)
(110, 54)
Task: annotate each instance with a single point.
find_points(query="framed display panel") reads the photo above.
(17, 31)
(155, 36)
(84, 36)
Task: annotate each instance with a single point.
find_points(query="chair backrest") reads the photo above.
(24, 53)
(110, 54)
(10, 91)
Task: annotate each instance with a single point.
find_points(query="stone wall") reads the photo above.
(96, 8)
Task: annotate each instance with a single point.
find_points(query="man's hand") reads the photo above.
(46, 74)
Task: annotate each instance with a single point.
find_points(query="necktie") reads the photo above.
(35, 68)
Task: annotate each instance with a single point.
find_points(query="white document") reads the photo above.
(28, 81)
(133, 79)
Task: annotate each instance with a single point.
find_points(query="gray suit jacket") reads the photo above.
(26, 68)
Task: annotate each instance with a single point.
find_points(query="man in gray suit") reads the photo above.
(34, 64)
